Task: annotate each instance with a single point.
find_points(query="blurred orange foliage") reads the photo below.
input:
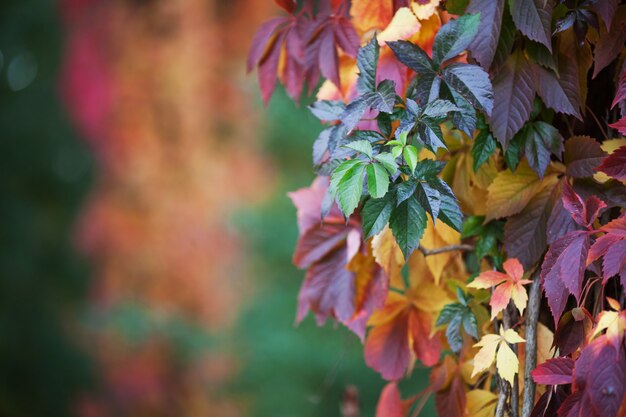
(157, 89)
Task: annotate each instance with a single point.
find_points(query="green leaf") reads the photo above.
(371, 136)
(388, 161)
(361, 146)
(376, 214)
(465, 118)
(484, 145)
(540, 55)
(394, 143)
(377, 180)
(404, 190)
(454, 37)
(472, 83)
(541, 139)
(513, 153)
(429, 198)
(456, 315)
(412, 56)
(384, 123)
(439, 108)
(428, 169)
(449, 210)
(367, 61)
(472, 226)
(347, 181)
(384, 98)
(456, 7)
(396, 151)
(410, 156)
(430, 133)
(402, 138)
(408, 222)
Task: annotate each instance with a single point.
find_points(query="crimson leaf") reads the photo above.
(554, 371)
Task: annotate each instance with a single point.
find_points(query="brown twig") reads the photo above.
(508, 318)
(532, 317)
(443, 249)
(503, 393)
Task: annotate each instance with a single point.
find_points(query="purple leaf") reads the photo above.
(614, 165)
(483, 47)
(610, 43)
(533, 19)
(552, 93)
(513, 90)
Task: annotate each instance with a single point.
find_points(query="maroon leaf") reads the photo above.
(583, 155)
(483, 47)
(555, 371)
(583, 213)
(547, 404)
(607, 380)
(610, 43)
(614, 165)
(615, 261)
(572, 330)
(563, 269)
(261, 39)
(268, 67)
(513, 90)
(606, 10)
(560, 221)
(328, 60)
(316, 242)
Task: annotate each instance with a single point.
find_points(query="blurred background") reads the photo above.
(145, 264)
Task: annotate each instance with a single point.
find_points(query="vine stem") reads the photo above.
(443, 249)
(532, 317)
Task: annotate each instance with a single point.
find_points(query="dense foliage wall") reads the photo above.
(470, 191)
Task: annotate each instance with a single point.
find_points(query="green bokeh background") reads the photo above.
(46, 173)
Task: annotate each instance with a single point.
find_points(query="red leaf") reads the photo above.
(390, 402)
(427, 348)
(621, 89)
(451, 402)
(614, 165)
(319, 241)
(261, 39)
(555, 371)
(620, 126)
(615, 262)
(387, 348)
(288, 5)
(583, 213)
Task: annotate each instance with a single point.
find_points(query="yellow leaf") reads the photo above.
(510, 191)
(485, 356)
(424, 11)
(437, 237)
(403, 25)
(389, 256)
(370, 14)
(418, 270)
(506, 360)
(481, 403)
(511, 336)
(507, 363)
(545, 339)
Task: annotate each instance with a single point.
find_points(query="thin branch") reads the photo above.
(600, 126)
(532, 317)
(509, 316)
(503, 393)
(443, 249)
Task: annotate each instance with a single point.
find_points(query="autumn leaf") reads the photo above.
(495, 347)
(554, 371)
(390, 402)
(389, 256)
(614, 165)
(511, 191)
(509, 286)
(481, 403)
(405, 324)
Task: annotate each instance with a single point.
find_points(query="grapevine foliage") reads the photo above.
(469, 207)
